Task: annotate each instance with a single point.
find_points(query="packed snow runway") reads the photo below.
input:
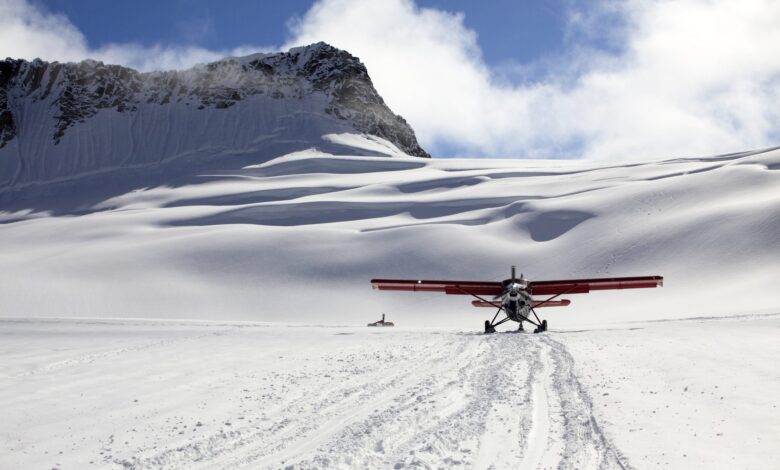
(167, 394)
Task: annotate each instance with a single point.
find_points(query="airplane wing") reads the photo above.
(583, 286)
(448, 287)
(535, 304)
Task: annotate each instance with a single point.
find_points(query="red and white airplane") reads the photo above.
(515, 297)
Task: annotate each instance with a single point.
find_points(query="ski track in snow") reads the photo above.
(189, 395)
(508, 400)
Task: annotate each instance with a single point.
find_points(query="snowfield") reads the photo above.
(297, 238)
(164, 394)
(217, 319)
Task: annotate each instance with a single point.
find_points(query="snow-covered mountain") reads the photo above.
(61, 121)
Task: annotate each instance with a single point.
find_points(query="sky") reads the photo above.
(617, 80)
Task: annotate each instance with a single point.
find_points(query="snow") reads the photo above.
(154, 134)
(133, 309)
(700, 393)
(185, 394)
(242, 243)
(367, 143)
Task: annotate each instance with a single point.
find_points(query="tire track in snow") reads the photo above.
(585, 445)
(539, 434)
(457, 410)
(414, 381)
(348, 413)
(310, 415)
(500, 401)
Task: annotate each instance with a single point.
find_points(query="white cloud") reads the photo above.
(682, 78)
(689, 77)
(29, 32)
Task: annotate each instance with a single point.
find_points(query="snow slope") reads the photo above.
(297, 238)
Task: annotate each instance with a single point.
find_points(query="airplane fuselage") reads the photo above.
(516, 300)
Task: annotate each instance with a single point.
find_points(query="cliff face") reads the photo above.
(59, 121)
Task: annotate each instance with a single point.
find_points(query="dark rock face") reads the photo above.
(75, 93)
(356, 99)
(7, 123)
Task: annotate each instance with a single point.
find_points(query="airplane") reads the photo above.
(515, 297)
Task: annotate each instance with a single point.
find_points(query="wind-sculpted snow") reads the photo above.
(239, 242)
(548, 226)
(321, 212)
(64, 121)
(308, 166)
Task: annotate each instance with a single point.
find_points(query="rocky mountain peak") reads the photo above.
(51, 110)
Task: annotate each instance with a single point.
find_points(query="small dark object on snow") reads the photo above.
(382, 322)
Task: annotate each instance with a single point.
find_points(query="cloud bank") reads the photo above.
(28, 32)
(639, 79)
(679, 78)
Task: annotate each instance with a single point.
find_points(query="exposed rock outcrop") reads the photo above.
(59, 121)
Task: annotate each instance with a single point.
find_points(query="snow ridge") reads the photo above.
(58, 121)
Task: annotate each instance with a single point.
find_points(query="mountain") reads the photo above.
(62, 121)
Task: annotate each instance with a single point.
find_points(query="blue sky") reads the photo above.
(507, 30)
(592, 79)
